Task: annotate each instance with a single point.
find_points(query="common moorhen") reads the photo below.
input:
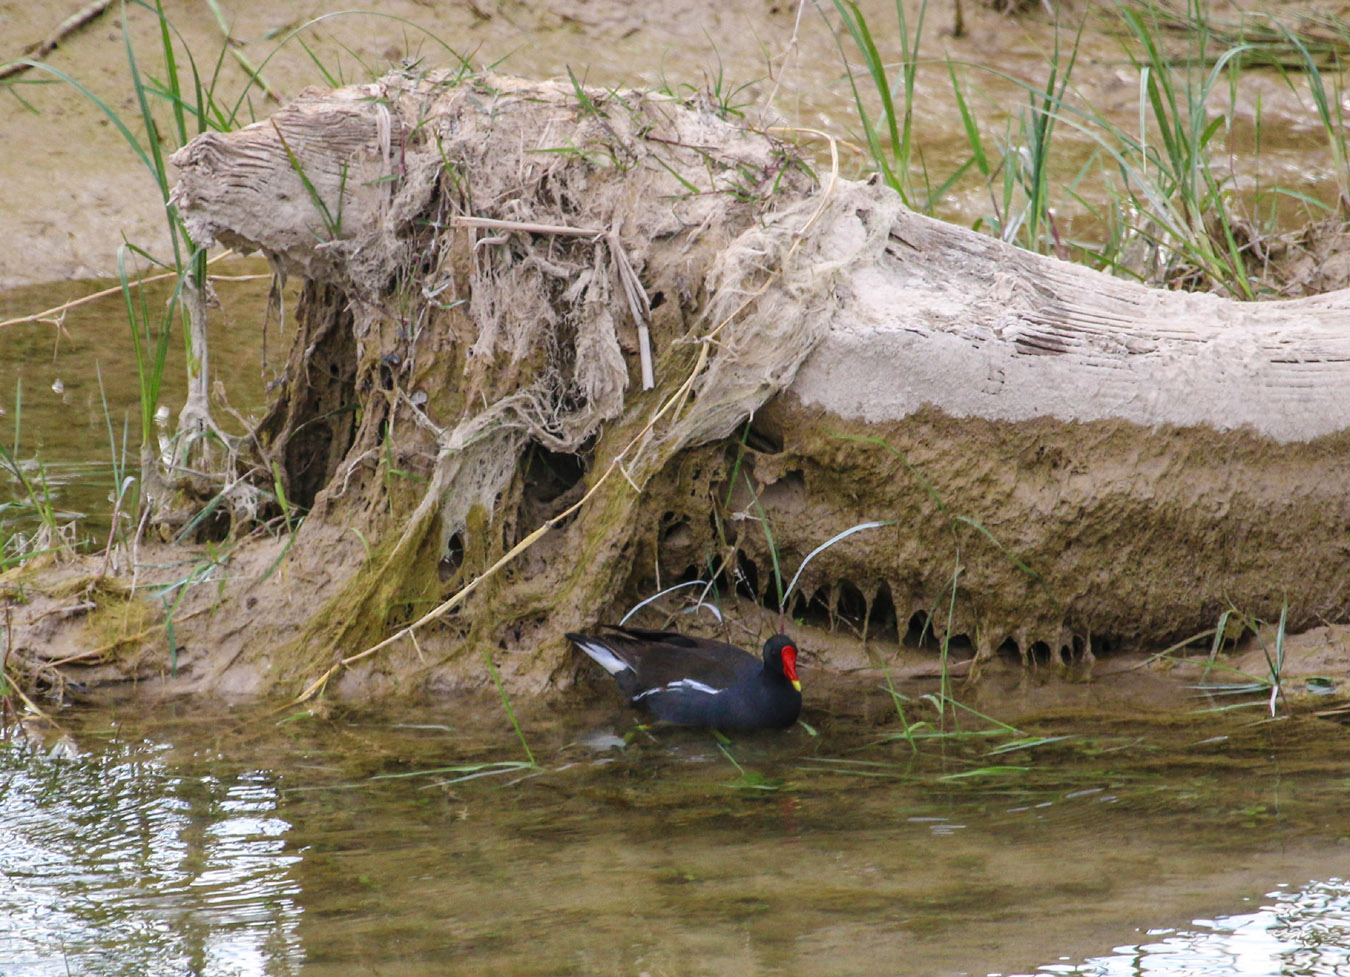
(697, 682)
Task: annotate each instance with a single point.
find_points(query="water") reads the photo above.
(180, 841)
(1303, 930)
(70, 389)
(250, 843)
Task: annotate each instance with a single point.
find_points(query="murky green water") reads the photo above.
(70, 385)
(247, 843)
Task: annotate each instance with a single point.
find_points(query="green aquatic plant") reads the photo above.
(889, 136)
(1174, 177)
(1269, 687)
(749, 779)
(1174, 210)
(1329, 105)
(1028, 157)
(1029, 161)
(506, 704)
(192, 108)
(30, 523)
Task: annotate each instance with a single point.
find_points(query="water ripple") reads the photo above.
(112, 865)
(1302, 933)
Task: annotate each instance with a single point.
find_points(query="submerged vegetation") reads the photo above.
(1170, 191)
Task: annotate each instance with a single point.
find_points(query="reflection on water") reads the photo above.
(113, 864)
(239, 845)
(1304, 931)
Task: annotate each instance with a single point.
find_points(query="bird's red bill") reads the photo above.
(790, 666)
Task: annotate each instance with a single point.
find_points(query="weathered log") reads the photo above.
(1137, 460)
(1068, 460)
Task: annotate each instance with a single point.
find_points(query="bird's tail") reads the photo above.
(600, 653)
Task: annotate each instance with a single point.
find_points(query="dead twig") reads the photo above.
(638, 305)
(48, 44)
(56, 310)
(526, 228)
(99, 652)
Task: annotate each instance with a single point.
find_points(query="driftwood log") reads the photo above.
(1064, 462)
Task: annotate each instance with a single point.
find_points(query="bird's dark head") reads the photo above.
(780, 654)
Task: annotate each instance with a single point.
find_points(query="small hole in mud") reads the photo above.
(695, 573)
(551, 473)
(389, 365)
(918, 634)
(747, 577)
(658, 300)
(882, 624)
(786, 492)
(1039, 653)
(213, 528)
(1009, 651)
(1066, 654)
(691, 572)
(675, 533)
(453, 558)
(400, 615)
(960, 647)
(813, 611)
(763, 441)
(851, 607)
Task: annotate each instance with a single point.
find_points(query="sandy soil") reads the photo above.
(72, 190)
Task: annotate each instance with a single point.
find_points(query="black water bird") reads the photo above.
(697, 682)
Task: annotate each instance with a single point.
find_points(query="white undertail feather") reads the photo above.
(605, 658)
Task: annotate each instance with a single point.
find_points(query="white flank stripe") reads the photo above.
(605, 658)
(682, 685)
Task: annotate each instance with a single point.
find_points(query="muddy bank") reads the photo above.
(527, 350)
(505, 430)
(82, 640)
